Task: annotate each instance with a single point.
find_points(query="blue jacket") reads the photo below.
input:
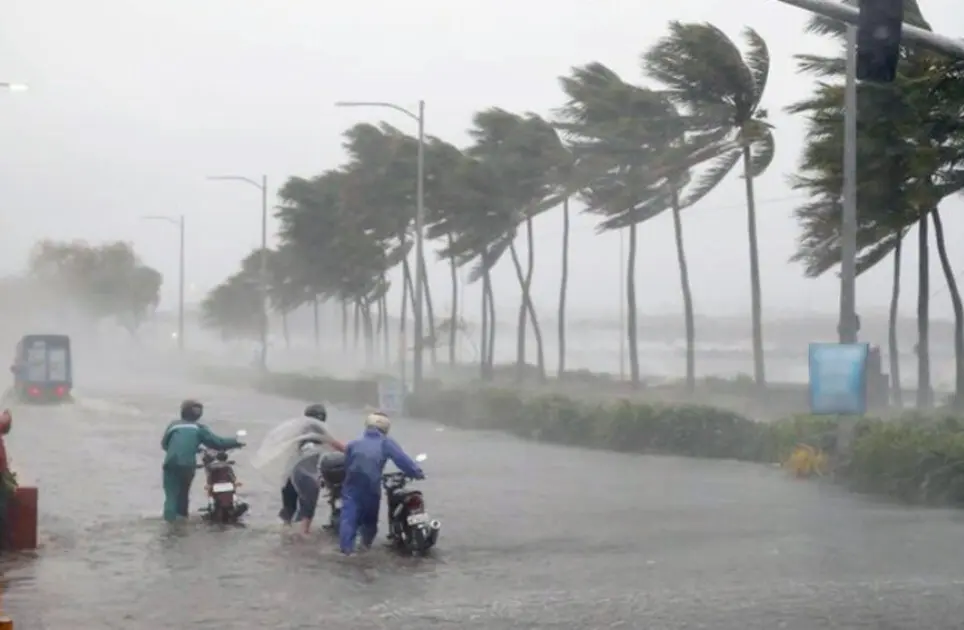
(182, 439)
(365, 459)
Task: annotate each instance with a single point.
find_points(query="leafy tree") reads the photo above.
(234, 308)
(99, 281)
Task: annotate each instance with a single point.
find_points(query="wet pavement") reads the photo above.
(533, 536)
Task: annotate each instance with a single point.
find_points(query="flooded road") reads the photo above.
(533, 536)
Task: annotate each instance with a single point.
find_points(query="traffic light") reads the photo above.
(878, 39)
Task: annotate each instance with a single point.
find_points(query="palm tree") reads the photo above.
(521, 152)
(613, 133)
(910, 150)
(720, 92)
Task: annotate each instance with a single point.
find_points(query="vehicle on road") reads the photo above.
(411, 529)
(224, 506)
(42, 369)
(332, 467)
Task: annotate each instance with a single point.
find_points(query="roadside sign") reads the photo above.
(391, 396)
(838, 378)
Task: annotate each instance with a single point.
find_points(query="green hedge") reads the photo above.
(918, 459)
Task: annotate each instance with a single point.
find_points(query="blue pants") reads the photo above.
(359, 514)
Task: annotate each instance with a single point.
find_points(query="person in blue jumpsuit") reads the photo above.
(365, 459)
(180, 442)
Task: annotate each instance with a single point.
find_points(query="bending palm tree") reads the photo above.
(720, 90)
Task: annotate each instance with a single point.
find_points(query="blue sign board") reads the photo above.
(838, 381)
(391, 396)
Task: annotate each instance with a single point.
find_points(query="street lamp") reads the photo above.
(419, 118)
(14, 87)
(179, 223)
(263, 187)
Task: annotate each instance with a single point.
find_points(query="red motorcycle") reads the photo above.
(221, 485)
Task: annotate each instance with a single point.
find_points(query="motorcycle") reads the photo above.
(332, 467)
(224, 506)
(411, 529)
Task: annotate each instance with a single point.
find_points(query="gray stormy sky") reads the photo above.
(133, 103)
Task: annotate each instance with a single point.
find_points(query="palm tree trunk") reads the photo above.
(484, 333)
(530, 271)
(490, 351)
(454, 316)
(520, 331)
(892, 349)
(430, 312)
(344, 327)
(386, 333)
(756, 302)
(379, 324)
(563, 286)
(357, 323)
(368, 332)
(952, 288)
(406, 301)
(317, 322)
(285, 332)
(684, 280)
(631, 308)
(925, 397)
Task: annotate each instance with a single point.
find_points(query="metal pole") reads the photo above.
(264, 272)
(622, 310)
(847, 327)
(909, 33)
(419, 250)
(180, 289)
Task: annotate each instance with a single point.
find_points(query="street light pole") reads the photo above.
(419, 118)
(179, 223)
(263, 280)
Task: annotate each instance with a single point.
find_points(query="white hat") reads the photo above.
(379, 420)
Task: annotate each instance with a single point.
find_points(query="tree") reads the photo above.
(633, 151)
(97, 281)
(720, 91)
(910, 151)
(234, 307)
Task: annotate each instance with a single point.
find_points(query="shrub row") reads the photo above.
(915, 458)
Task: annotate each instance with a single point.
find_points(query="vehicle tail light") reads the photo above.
(33, 391)
(414, 502)
(61, 390)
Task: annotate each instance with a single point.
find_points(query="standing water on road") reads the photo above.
(534, 536)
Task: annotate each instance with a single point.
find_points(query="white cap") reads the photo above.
(379, 420)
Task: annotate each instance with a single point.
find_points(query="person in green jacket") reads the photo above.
(181, 441)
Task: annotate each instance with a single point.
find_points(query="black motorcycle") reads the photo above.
(332, 468)
(411, 529)
(224, 506)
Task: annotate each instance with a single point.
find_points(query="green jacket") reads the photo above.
(182, 439)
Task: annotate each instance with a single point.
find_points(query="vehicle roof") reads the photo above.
(65, 338)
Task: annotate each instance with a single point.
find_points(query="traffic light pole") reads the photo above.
(847, 327)
(845, 13)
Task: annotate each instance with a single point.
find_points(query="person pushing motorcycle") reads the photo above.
(299, 496)
(180, 442)
(365, 459)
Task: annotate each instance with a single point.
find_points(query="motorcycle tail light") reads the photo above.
(414, 502)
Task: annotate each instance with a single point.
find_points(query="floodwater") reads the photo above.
(533, 536)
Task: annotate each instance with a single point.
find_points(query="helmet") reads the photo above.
(316, 411)
(378, 420)
(191, 410)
